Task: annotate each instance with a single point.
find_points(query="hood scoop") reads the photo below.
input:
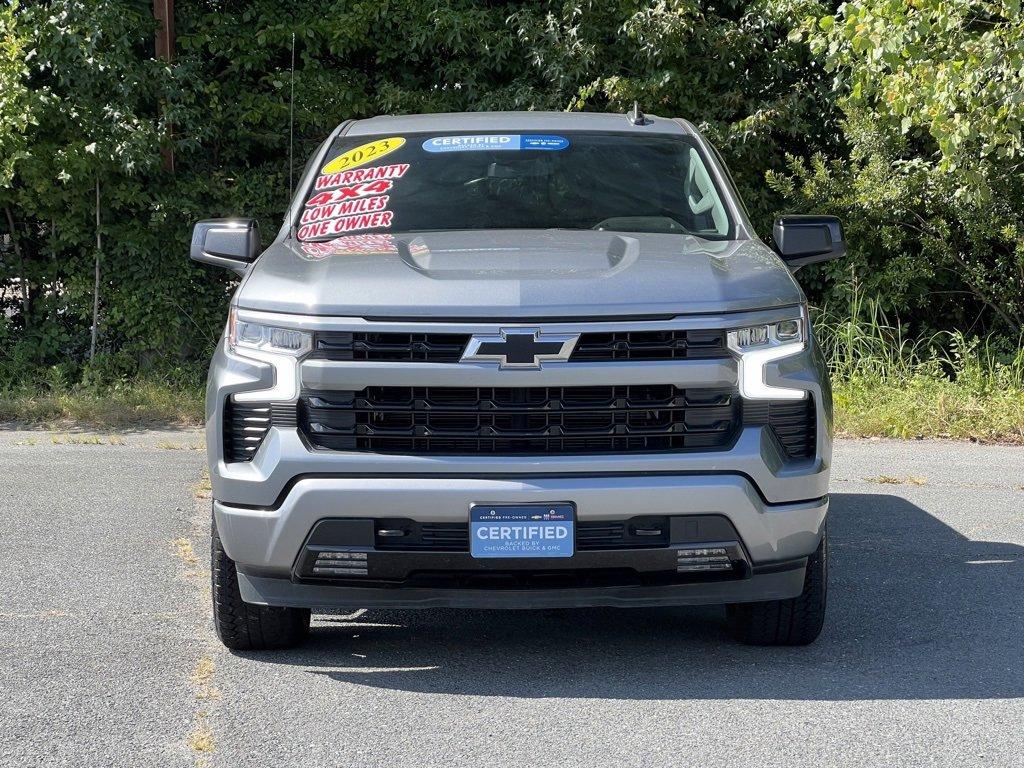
(518, 262)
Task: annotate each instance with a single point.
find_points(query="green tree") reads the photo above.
(933, 97)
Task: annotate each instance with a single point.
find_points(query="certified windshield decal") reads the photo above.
(481, 143)
(363, 154)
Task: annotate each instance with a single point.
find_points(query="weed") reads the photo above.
(183, 549)
(201, 738)
(203, 489)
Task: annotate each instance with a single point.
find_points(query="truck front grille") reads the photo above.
(448, 347)
(506, 420)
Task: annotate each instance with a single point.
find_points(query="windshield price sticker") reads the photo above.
(495, 142)
(522, 531)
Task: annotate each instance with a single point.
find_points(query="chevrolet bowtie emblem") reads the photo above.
(520, 348)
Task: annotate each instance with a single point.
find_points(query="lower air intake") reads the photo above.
(245, 426)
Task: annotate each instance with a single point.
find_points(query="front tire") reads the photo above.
(797, 621)
(242, 626)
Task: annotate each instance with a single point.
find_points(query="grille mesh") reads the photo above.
(649, 345)
(404, 347)
(552, 420)
(448, 348)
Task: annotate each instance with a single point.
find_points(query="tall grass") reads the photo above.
(889, 383)
(53, 400)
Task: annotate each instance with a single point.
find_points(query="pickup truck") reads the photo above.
(518, 360)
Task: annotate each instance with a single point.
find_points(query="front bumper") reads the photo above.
(266, 543)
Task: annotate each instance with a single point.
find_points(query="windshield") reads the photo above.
(430, 182)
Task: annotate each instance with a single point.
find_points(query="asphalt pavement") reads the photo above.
(108, 657)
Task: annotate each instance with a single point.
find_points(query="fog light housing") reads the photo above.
(338, 563)
(698, 559)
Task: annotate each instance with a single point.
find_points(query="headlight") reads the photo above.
(281, 347)
(245, 335)
(758, 345)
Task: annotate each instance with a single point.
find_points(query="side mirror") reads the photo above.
(230, 243)
(803, 240)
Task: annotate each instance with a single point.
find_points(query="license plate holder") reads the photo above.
(522, 530)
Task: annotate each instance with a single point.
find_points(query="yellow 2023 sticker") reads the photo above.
(363, 154)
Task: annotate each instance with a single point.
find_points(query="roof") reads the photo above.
(514, 121)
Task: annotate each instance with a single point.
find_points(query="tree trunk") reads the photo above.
(26, 306)
(96, 278)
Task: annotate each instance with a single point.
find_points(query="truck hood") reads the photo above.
(529, 274)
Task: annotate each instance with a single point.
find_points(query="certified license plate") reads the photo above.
(526, 530)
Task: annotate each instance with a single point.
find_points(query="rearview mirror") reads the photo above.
(230, 243)
(803, 240)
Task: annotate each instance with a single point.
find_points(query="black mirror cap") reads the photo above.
(803, 240)
(230, 243)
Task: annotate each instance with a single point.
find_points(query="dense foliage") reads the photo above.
(932, 189)
(903, 117)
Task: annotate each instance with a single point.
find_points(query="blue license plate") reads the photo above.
(526, 530)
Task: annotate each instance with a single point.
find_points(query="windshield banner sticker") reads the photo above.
(350, 200)
(495, 142)
(329, 180)
(347, 208)
(378, 220)
(363, 154)
(352, 245)
(368, 244)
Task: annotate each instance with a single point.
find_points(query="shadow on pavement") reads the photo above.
(916, 611)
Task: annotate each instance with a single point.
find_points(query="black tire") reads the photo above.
(797, 621)
(242, 626)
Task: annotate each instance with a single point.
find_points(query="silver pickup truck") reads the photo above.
(518, 360)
